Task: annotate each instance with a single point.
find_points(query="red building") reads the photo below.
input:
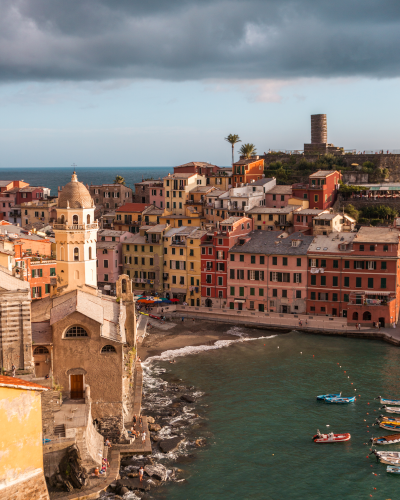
(41, 273)
(321, 190)
(355, 275)
(30, 193)
(247, 170)
(214, 259)
(197, 167)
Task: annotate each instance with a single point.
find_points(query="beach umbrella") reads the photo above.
(165, 300)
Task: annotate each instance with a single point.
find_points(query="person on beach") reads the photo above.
(141, 472)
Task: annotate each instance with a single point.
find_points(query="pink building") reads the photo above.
(278, 196)
(150, 192)
(268, 273)
(157, 196)
(109, 258)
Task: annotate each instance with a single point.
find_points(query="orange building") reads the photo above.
(247, 170)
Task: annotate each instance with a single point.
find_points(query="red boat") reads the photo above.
(331, 437)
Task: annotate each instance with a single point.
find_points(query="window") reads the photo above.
(334, 297)
(106, 264)
(372, 248)
(313, 279)
(220, 281)
(262, 259)
(76, 331)
(383, 265)
(335, 281)
(347, 264)
(361, 248)
(323, 280)
(274, 261)
(76, 253)
(261, 307)
(298, 294)
(346, 297)
(232, 290)
(274, 292)
(232, 274)
(241, 291)
(46, 288)
(41, 350)
(297, 277)
(323, 296)
(323, 262)
(232, 257)
(298, 262)
(346, 281)
(385, 248)
(108, 348)
(383, 282)
(284, 294)
(358, 282)
(370, 282)
(335, 264)
(284, 261)
(315, 198)
(312, 295)
(241, 258)
(253, 259)
(151, 261)
(181, 251)
(106, 277)
(173, 251)
(261, 292)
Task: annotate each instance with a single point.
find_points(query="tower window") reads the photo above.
(75, 219)
(108, 348)
(88, 219)
(76, 253)
(41, 350)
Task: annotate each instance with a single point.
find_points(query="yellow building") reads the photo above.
(182, 272)
(151, 216)
(129, 217)
(177, 188)
(41, 211)
(221, 180)
(21, 448)
(274, 219)
(191, 219)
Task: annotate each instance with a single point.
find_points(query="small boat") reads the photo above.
(390, 462)
(389, 427)
(386, 454)
(340, 400)
(395, 402)
(390, 409)
(331, 437)
(389, 419)
(392, 439)
(324, 396)
(386, 420)
(393, 469)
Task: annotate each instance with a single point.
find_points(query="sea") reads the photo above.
(54, 177)
(259, 414)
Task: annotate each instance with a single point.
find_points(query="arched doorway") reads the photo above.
(367, 316)
(355, 316)
(41, 357)
(208, 303)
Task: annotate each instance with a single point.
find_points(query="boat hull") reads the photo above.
(392, 439)
(391, 409)
(324, 396)
(340, 400)
(390, 427)
(393, 402)
(393, 469)
(327, 438)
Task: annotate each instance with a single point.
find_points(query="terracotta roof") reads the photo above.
(280, 190)
(323, 173)
(132, 207)
(75, 195)
(17, 383)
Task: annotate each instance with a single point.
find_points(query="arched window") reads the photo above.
(75, 219)
(88, 219)
(41, 350)
(76, 253)
(355, 316)
(62, 220)
(108, 348)
(367, 316)
(76, 331)
(90, 253)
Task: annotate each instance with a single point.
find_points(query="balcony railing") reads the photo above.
(76, 227)
(178, 242)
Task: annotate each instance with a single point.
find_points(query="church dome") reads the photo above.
(75, 195)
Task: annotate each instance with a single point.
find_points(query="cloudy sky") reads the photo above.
(161, 82)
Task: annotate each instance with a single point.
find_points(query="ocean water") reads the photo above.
(54, 177)
(261, 413)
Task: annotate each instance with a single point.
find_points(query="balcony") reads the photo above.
(371, 298)
(76, 227)
(178, 242)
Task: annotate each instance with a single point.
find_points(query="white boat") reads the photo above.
(390, 409)
(389, 455)
(393, 469)
(395, 402)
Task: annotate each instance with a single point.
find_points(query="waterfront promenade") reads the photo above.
(302, 322)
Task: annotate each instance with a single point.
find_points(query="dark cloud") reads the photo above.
(198, 39)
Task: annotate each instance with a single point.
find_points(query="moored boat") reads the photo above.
(324, 396)
(340, 400)
(390, 409)
(331, 437)
(394, 402)
(386, 454)
(391, 439)
(389, 426)
(389, 461)
(393, 469)
(389, 419)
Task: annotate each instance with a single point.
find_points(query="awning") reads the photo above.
(240, 301)
(376, 293)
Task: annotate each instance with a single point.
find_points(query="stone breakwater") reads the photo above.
(177, 428)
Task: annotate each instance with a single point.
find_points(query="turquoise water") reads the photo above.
(262, 414)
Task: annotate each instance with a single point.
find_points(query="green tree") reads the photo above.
(248, 150)
(233, 139)
(352, 211)
(119, 180)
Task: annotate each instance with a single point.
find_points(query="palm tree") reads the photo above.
(248, 150)
(119, 180)
(233, 139)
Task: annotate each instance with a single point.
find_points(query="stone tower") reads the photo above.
(76, 236)
(319, 129)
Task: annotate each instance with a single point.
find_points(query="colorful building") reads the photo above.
(247, 170)
(109, 259)
(355, 275)
(321, 190)
(278, 196)
(40, 211)
(129, 217)
(303, 219)
(331, 222)
(150, 192)
(177, 188)
(214, 259)
(21, 457)
(267, 272)
(197, 167)
(274, 219)
(110, 196)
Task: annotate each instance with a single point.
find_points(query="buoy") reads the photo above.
(351, 383)
(364, 420)
(367, 403)
(301, 352)
(264, 344)
(374, 488)
(328, 425)
(313, 355)
(348, 377)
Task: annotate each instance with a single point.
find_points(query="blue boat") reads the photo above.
(394, 402)
(324, 396)
(393, 469)
(340, 400)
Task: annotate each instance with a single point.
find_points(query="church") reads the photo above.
(88, 340)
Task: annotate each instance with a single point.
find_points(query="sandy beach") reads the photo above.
(178, 334)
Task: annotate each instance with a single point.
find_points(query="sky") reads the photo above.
(161, 83)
